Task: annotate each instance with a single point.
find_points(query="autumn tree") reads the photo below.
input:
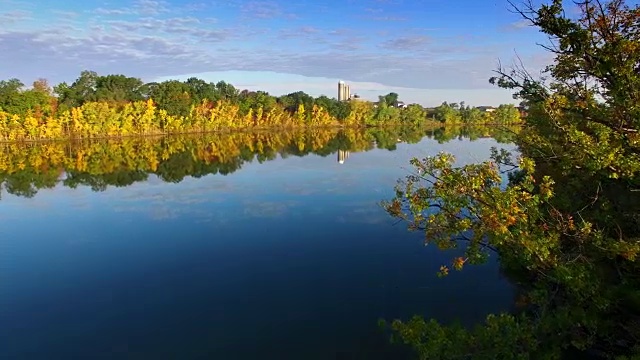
(42, 85)
(117, 105)
(337, 109)
(253, 100)
(291, 101)
(568, 221)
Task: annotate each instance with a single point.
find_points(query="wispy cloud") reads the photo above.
(382, 42)
(14, 16)
(341, 32)
(164, 25)
(380, 14)
(140, 7)
(132, 47)
(348, 44)
(406, 43)
(306, 32)
(151, 7)
(389, 18)
(185, 26)
(66, 14)
(198, 6)
(265, 9)
(517, 25)
(103, 11)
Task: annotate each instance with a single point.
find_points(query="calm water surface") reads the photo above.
(290, 258)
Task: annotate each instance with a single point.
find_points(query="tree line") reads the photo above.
(116, 105)
(28, 167)
(459, 113)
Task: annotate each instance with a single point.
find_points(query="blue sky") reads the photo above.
(428, 51)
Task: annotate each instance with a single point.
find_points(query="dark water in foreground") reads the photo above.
(290, 258)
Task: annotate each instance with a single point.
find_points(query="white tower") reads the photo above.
(341, 90)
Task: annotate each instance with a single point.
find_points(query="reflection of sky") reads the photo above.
(267, 189)
(259, 248)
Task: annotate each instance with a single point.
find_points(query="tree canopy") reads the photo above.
(566, 224)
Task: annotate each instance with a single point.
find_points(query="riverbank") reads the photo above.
(102, 120)
(476, 130)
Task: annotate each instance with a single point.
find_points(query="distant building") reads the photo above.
(342, 156)
(398, 104)
(486, 108)
(344, 91)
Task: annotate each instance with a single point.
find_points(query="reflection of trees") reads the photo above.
(27, 168)
(120, 178)
(502, 134)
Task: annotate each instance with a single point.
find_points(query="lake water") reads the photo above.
(143, 249)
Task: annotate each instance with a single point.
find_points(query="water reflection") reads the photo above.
(342, 156)
(27, 168)
(189, 247)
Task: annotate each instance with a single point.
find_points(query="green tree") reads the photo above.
(201, 90)
(337, 109)
(472, 116)
(10, 95)
(506, 114)
(173, 96)
(118, 88)
(79, 92)
(413, 114)
(9, 87)
(567, 224)
(253, 100)
(384, 114)
(15, 100)
(391, 99)
(448, 113)
(227, 91)
(291, 101)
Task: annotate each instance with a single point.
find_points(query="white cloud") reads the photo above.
(156, 39)
(139, 7)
